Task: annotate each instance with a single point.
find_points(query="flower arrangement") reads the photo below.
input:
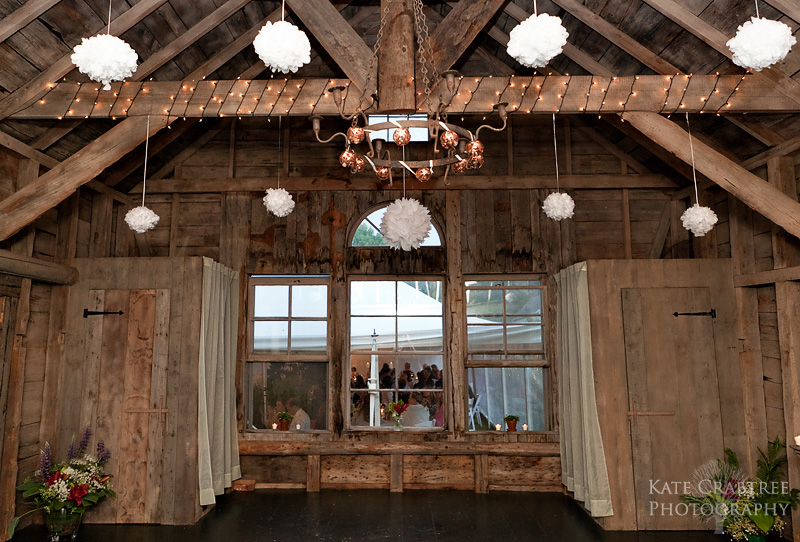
(73, 485)
(397, 410)
(511, 418)
(744, 508)
(285, 416)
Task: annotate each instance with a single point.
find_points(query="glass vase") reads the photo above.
(62, 524)
(398, 423)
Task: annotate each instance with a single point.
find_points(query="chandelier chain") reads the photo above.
(372, 70)
(425, 51)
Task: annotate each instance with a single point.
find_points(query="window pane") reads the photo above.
(484, 302)
(297, 388)
(270, 336)
(309, 336)
(482, 338)
(523, 283)
(496, 392)
(483, 283)
(419, 298)
(523, 301)
(362, 331)
(310, 301)
(271, 301)
(420, 333)
(373, 297)
(524, 338)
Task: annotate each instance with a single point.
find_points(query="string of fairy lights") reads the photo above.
(275, 97)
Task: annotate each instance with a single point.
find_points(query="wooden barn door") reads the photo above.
(674, 406)
(126, 380)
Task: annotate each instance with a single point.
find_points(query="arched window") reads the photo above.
(368, 232)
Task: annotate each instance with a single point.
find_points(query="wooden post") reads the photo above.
(454, 317)
(397, 473)
(626, 224)
(396, 89)
(312, 473)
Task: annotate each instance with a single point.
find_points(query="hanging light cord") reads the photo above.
(109, 16)
(555, 149)
(757, 15)
(146, 147)
(691, 149)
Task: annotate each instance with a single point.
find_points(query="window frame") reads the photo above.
(446, 378)
(363, 216)
(544, 363)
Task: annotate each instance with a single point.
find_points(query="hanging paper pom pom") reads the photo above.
(141, 219)
(536, 40)
(760, 43)
(698, 220)
(558, 206)
(105, 58)
(278, 202)
(405, 224)
(282, 46)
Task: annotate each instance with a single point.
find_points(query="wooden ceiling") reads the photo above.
(190, 39)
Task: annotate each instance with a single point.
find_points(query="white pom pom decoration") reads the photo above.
(536, 40)
(105, 58)
(698, 220)
(278, 202)
(141, 219)
(760, 43)
(558, 206)
(282, 46)
(405, 224)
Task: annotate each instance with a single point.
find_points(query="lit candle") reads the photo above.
(524, 426)
(797, 440)
(497, 427)
(274, 426)
(297, 427)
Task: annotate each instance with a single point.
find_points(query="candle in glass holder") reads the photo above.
(524, 426)
(297, 427)
(274, 426)
(797, 440)
(497, 427)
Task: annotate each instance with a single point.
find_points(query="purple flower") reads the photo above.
(71, 451)
(45, 461)
(103, 455)
(84, 442)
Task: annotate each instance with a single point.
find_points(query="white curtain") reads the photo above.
(583, 461)
(218, 448)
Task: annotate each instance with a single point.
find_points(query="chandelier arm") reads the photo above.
(500, 129)
(334, 136)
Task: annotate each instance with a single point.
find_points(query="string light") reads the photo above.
(668, 89)
(681, 104)
(727, 102)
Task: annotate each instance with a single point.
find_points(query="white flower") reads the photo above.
(760, 43)
(537, 40)
(698, 220)
(558, 206)
(278, 202)
(141, 219)
(105, 58)
(405, 224)
(282, 46)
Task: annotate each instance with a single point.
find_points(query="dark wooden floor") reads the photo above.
(365, 516)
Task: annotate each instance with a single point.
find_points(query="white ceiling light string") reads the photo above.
(141, 219)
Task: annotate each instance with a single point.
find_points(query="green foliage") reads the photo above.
(511, 418)
(770, 463)
(366, 236)
(731, 458)
(285, 416)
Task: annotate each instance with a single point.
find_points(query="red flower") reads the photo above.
(53, 478)
(400, 407)
(77, 492)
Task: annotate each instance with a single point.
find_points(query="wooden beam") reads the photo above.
(338, 38)
(765, 278)
(610, 146)
(618, 37)
(51, 136)
(22, 149)
(39, 85)
(396, 89)
(476, 95)
(788, 7)
(19, 265)
(756, 129)
(661, 233)
(458, 30)
(716, 39)
(274, 447)
(788, 146)
(369, 182)
(753, 191)
(23, 15)
(27, 204)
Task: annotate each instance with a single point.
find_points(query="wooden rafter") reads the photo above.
(338, 38)
(756, 193)
(716, 39)
(50, 189)
(23, 15)
(396, 89)
(39, 85)
(303, 97)
(788, 7)
(458, 30)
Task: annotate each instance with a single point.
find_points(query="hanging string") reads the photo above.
(280, 131)
(404, 171)
(535, 12)
(555, 148)
(757, 15)
(146, 147)
(283, 10)
(109, 16)
(691, 149)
